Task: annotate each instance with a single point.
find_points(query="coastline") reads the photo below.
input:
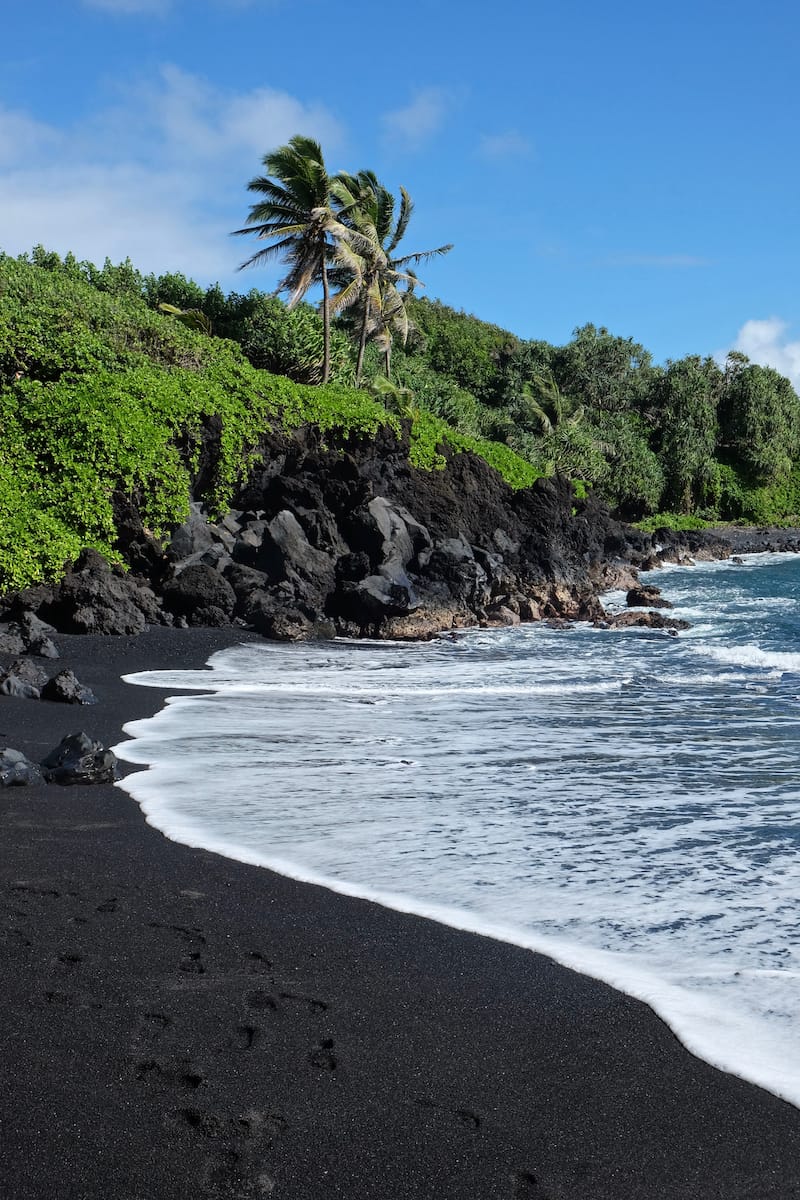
(177, 1023)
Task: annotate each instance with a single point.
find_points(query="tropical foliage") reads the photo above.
(295, 215)
(341, 229)
(103, 398)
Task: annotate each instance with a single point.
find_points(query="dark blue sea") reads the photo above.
(626, 801)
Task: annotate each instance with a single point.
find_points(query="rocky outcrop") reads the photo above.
(93, 597)
(644, 620)
(23, 679)
(350, 539)
(647, 597)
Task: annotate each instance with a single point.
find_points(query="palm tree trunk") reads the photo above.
(362, 342)
(326, 324)
(387, 359)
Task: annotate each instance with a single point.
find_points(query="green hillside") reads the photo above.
(103, 396)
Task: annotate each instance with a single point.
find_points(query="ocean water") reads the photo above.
(625, 801)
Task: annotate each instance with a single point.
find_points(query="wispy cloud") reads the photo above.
(508, 145)
(159, 176)
(17, 129)
(660, 261)
(766, 342)
(161, 7)
(420, 120)
(130, 7)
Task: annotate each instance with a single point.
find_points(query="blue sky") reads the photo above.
(630, 164)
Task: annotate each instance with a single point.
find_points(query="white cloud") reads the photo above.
(17, 129)
(161, 177)
(766, 342)
(420, 120)
(504, 145)
(200, 122)
(119, 212)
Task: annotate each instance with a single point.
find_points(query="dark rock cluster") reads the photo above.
(351, 539)
(26, 680)
(77, 759)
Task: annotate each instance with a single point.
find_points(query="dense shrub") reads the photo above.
(461, 347)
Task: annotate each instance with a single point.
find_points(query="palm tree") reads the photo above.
(564, 440)
(368, 210)
(296, 217)
(546, 404)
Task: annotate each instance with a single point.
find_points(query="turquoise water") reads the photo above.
(626, 801)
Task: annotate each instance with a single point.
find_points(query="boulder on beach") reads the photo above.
(16, 770)
(23, 679)
(65, 688)
(78, 759)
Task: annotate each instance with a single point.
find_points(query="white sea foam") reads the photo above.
(629, 806)
(754, 656)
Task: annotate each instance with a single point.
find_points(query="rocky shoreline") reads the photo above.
(325, 540)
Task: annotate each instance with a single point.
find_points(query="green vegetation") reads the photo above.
(103, 396)
(110, 381)
(337, 229)
(689, 439)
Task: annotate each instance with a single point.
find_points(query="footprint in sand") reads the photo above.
(323, 1057)
(70, 959)
(464, 1116)
(191, 936)
(169, 1072)
(257, 963)
(152, 1026)
(309, 1003)
(261, 1001)
(525, 1187)
(233, 1147)
(246, 1037)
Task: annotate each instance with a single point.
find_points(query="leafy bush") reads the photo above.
(776, 503)
(673, 520)
(632, 478)
(291, 343)
(430, 435)
(461, 347)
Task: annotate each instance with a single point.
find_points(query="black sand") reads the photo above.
(173, 1024)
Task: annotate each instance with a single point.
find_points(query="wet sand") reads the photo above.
(174, 1024)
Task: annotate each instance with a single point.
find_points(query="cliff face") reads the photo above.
(351, 539)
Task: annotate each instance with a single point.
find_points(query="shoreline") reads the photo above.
(181, 1023)
(719, 1035)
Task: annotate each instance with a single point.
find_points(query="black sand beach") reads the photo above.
(174, 1024)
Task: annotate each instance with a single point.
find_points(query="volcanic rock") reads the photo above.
(647, 597)
(199, 589)
(65, 688)
(16, 770)
(78, 760)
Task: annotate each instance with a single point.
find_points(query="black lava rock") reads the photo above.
(79, 759)
(16, 770)
(65, 688)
